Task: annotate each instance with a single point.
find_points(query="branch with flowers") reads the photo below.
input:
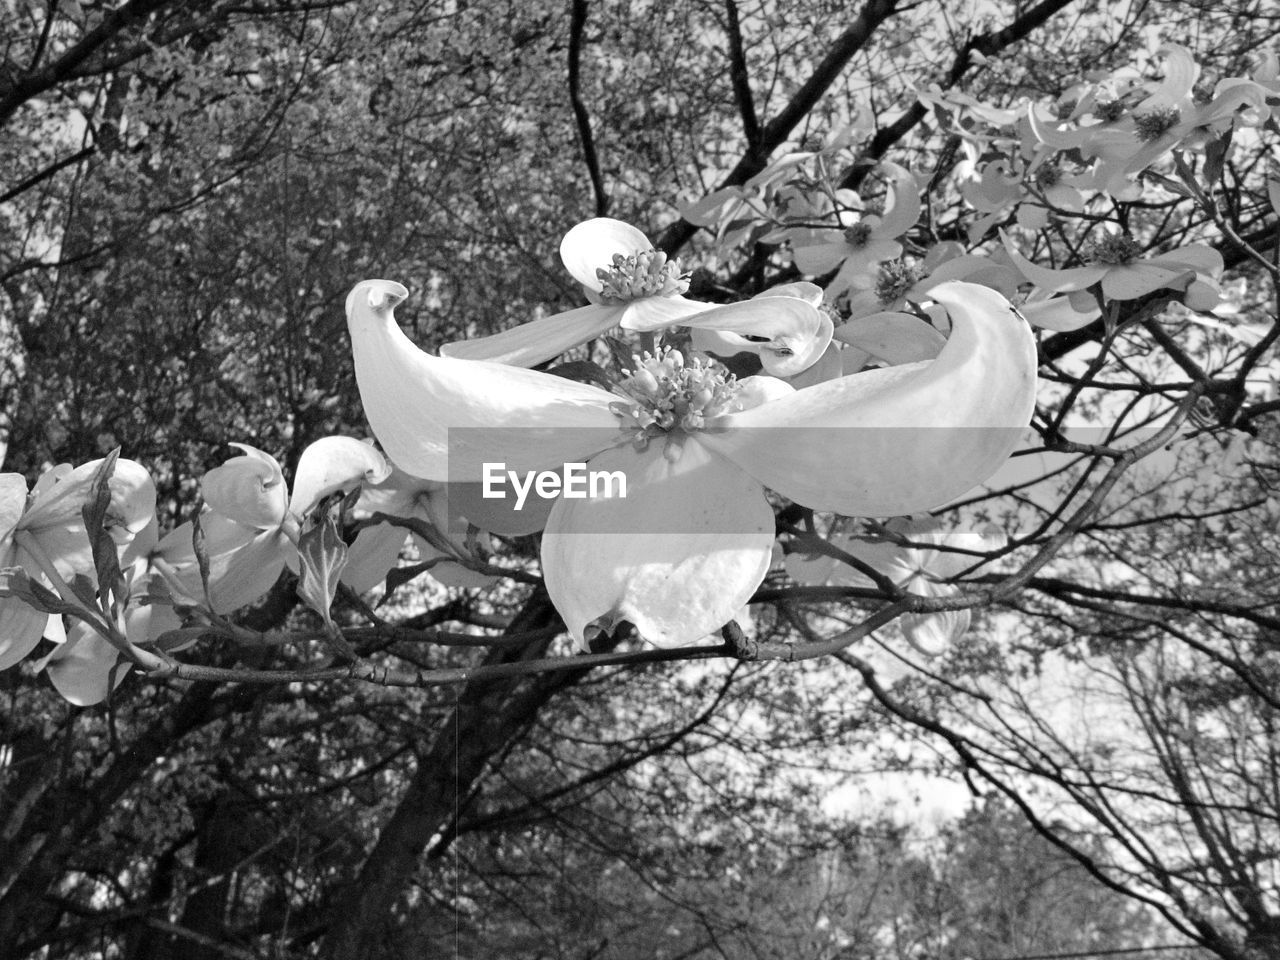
(819, 443)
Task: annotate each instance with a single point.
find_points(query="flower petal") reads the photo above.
(932, 634)
(1132, 280)
(244, 562)
(903, 213)
(1054, 281)
(495, 413)
(1058, 314)
(602, 566)
(795, 333)
(21, 627)
(902, 439)
(249, 489)
(893, 337)
(331, 464)
(375, 550)
(13, 501)
(660, 312)
(56, 520)
(591, 245)
(821, 253)
(539, 340)
(81, 669)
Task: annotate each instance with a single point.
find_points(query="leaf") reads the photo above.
(397, 577)
(201, 550)
(1215, 156)
(584, 371)
(1273, 193)
(106, 559)
(16, 582)
(321, 555)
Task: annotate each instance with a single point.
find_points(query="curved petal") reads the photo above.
(82, 668)
(1180, 74)
(819, 258)
(903, 213)
(1058, 314)
(1196, 256)
(248, 489)
(331, 464)
(799, 289)
(1132, 280)
(603, 565)
(893, 337)
(244, 562)
(21, 627)
(1054, 281)
(499, 514)
(591, 245)
(495, 413)
(539, 340)
(13, 501)
(829, 366)
(795, 332)
(56, 520)
(903, 439)
(932, 634)
(660, 312)
(375, 550)
(133, 499)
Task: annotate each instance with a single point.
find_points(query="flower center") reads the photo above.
(1048, 176)
(646, 273)
(1155, 123)
(896, 278)
(857, 235)
(1113, 249)
(1108, 111)
(665, 395)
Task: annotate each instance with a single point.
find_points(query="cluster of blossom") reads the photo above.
(1026, 168)
(678, 554)
(891, 382)
(110, 593)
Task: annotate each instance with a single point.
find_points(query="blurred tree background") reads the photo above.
(188, 191)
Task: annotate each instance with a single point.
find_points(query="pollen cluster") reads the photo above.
(895, 279)
(664, 394)
(1113, 249)
(646, 273)
(1155, 123)
(857, 235)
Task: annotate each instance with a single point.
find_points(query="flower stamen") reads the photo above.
(1155, 123)
(646, 273)
(858, 235)
(665, 395)
(1112, 250)
(896, 278)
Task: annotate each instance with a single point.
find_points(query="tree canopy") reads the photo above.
(937, 343)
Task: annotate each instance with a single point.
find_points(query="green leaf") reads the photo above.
(321, 555)
(584, 371)
(106, 559)
(16, 582)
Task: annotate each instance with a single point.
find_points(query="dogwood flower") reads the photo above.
(858, 246)
(45, 534)
(921, 558)
(1115, 264)
(683, 549)
(251, 523)
(638, 288)
(376, 548)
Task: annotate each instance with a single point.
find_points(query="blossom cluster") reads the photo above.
(677, 556)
